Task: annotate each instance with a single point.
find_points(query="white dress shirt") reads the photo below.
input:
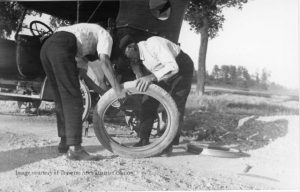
(158, 55)
(91, 38)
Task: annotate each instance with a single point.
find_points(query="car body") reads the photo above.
(21, 74)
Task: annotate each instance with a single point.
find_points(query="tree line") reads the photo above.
(238, 76)
(206, 18)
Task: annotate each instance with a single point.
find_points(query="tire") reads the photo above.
(86, 96)
(154, 148)
(216, 151)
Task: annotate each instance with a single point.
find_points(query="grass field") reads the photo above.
(242, 102)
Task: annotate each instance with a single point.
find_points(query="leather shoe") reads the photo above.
(141, 143)
(62, 146)
(79, 153)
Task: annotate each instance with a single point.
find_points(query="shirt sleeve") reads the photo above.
(105, 42)
(167, 64)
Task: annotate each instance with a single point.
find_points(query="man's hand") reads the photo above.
(143, 83)
(122, 95)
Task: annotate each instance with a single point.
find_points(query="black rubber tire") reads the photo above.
(86, 96)
(215, 151)
(152, 149)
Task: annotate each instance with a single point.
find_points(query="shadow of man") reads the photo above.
(15, 158)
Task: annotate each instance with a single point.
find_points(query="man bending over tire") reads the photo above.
(170, 68)
(60, 55)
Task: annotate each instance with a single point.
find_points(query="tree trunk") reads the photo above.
(202, 57)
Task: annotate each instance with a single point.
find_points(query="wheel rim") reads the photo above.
(154, 140)
(86, 100)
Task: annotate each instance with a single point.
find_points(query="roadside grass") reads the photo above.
(241, 104)
(46, 108)
(212, 102)
(216, 118)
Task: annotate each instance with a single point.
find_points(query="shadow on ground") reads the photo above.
(15, 158)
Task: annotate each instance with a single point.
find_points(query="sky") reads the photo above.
(263, 35)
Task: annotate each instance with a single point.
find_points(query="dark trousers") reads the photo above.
(58, 59)
(179, 87)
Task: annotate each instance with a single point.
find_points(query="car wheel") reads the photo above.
(86, 96)
(114, 133)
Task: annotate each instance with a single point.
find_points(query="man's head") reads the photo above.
(129, 47)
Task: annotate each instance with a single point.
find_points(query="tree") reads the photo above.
(10, 13)
(257, 78)
(246, 75)
(264, 79)
(56, 22)
(224, 73)
(215, 72)
(247, 78)
(243, 77)
(206, 18)
(239, 72)
(233, 74)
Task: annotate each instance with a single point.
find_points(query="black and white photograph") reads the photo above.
(149, 95)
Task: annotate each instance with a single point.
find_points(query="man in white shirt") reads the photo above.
(170, 68)
(61, 55)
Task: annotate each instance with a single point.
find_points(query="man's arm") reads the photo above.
(90, 82)
(109, 73)
(143, 83)
(136, 68)
(82, 62)
(168, 65)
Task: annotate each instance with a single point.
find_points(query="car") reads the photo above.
(22, 77)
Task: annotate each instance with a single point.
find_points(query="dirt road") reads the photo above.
(29, 162)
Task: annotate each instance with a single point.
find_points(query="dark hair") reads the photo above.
(125, 41)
